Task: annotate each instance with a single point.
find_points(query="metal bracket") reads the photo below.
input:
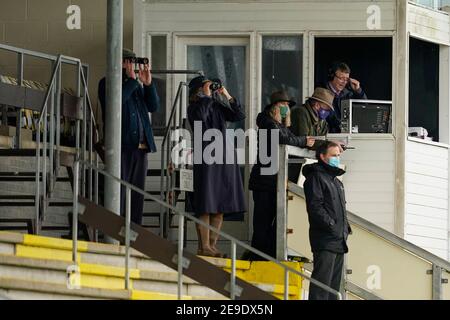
(349, 271)
(444, 281)
(133, 234)
(185, 263)
(430, 272)
(237, 289)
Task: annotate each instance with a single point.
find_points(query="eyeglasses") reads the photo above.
(343, 79)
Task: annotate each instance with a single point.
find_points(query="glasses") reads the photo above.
(343, 79)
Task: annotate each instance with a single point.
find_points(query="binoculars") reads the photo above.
(215, 85)
(137, 60)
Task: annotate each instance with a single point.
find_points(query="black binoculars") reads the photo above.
(138, 60)
(215, 85)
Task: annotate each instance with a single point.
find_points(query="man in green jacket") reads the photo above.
(309, 119)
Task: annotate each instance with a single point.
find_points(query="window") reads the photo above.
(424, 86)
(282, 65)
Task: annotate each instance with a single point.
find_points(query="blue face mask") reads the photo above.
(334, 162)
(323, 114)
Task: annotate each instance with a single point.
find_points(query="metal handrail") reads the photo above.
(182, 215)
(384, 234)
(53, 90)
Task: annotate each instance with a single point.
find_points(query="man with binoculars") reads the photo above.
(139, 97)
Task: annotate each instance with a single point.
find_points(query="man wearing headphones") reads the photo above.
(344, 88)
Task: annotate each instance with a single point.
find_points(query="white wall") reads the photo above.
(370, 179)
(427, 197)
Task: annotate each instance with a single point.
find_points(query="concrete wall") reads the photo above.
(41, 25)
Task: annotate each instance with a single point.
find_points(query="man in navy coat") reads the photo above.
(139, 97)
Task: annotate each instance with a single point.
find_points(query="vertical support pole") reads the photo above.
(76, 175)
(233, 271)
(281, 244)
(127, 237)
(114, 104)
(83, 130)
(437, 283)
(180, 254)
(17, 145)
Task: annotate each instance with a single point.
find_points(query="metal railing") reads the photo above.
(284, 151)
(53, 98)
(181, 218)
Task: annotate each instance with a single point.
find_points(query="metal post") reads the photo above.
(127, 237)
(84, 133)
(281, 205)
(38, 177)
(233, 271)
(180, 254)
(76, 174)
(437, 283)
(58, 119)
(114, 104)
(286, 284)
(52, 131)
(19, 111)
(44, 160)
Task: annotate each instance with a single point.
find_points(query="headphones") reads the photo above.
(335, 66)
(332, 70)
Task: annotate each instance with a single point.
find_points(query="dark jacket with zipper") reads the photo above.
(137, 101)
(325, 203)
(258, 181)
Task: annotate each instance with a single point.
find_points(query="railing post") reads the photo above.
(286, 284)
(17, 145)
(180, 254)
(437, 283)
(38, 177)
(233, 271)
(127, 237)
(281, 218)
(76, 174)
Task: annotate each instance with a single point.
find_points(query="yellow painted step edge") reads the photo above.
(63, 244)
(146, 295)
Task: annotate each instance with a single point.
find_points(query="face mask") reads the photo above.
(283, 111)
(201, 95)
(334, 162)
(323, 114)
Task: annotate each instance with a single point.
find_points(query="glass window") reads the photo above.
(226, 63)
(282, 65)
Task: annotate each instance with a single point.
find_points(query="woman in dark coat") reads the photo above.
(218, 188)
(275, 116)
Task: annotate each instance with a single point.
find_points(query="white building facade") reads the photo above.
(395, 181)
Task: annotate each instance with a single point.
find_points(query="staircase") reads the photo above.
(35, 267)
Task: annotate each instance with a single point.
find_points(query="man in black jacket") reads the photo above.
(329, 227)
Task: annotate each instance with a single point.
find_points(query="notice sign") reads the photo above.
(186, 180)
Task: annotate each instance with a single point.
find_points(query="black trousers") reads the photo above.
(328, 270)
(264, 224)
(134, 171)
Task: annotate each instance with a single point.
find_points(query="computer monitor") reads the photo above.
(366, 116)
